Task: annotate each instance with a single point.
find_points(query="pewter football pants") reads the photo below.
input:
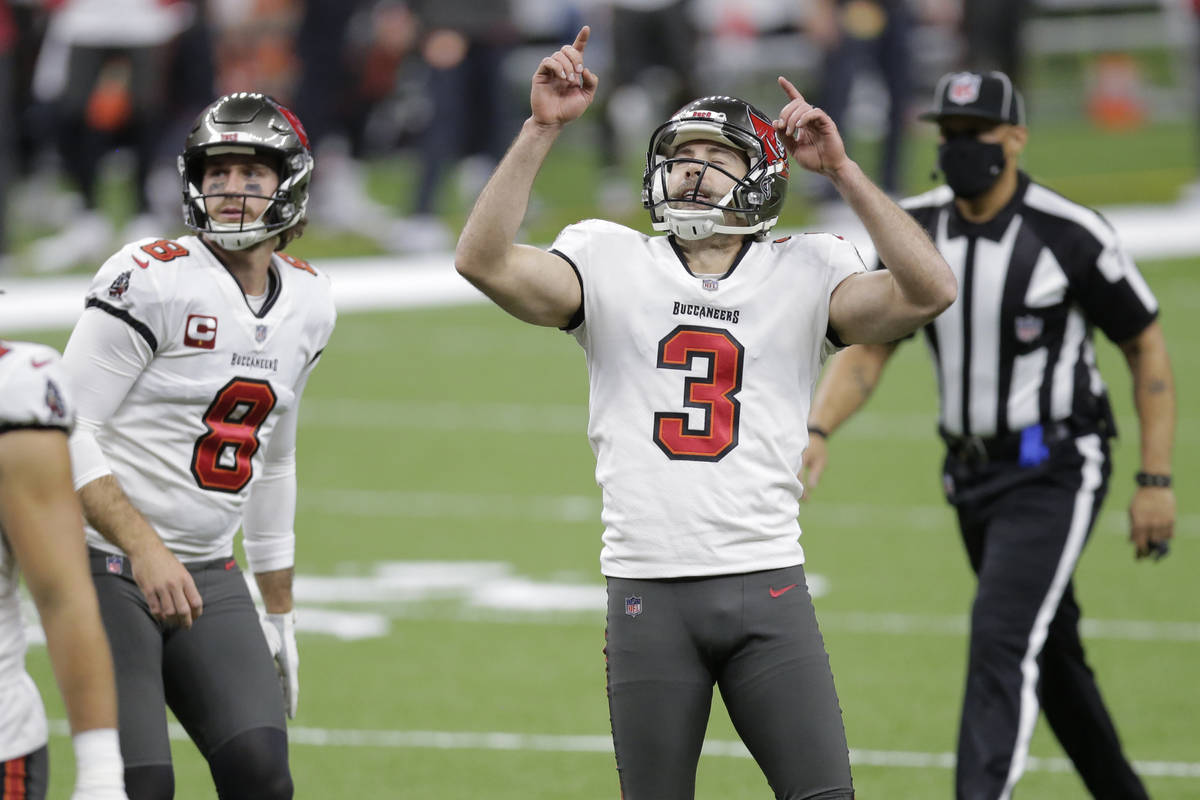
(218, 676)
(755, 637)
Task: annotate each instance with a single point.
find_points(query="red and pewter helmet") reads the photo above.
(755, 200)
(248, 123)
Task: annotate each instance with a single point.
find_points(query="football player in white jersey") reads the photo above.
(703, 347)
(188, 365)
(43, 540)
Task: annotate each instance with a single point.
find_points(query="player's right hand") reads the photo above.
(169, 588)
(809, 134)
(563, 87)
(816, 456)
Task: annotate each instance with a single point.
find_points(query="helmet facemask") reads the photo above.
(751, 206)
(255, 125)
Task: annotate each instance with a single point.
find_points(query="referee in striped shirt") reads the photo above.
(1026, 422)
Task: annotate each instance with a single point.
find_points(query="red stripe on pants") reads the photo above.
(14, 778)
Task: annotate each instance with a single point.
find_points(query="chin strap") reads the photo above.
(691, 225)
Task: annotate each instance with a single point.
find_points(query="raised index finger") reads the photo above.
(792, 92)
(581, 38)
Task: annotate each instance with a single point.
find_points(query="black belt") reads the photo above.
(978, 450)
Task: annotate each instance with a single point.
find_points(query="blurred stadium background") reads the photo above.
(451, 606)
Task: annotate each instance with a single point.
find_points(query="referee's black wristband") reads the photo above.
(813, 429)
(1151, 479)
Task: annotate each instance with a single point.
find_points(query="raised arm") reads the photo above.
(1152, 509)
(529, 283)
(885, 305)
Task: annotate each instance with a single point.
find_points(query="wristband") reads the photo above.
(98, 758)
(1151, 479)
(817, 431)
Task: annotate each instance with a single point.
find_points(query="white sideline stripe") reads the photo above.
(420, 281)
(548, 743)
(359, 284)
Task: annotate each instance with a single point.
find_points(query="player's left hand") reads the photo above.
(1152, 520)
(816, 457)
(809, 134)
(280, 632)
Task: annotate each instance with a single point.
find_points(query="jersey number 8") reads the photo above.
(221, 460)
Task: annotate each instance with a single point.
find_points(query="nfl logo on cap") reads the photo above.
(633, 605)
(989, 96)
(964, 88)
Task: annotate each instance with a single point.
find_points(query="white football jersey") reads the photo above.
(31, 396)
(189, 437)
(700, 388)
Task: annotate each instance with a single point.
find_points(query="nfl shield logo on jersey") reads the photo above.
(710, 284)
(633, 605)
(260, 333)
(1028, 327)
(114, 564)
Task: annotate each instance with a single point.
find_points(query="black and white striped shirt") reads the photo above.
(1015, 349)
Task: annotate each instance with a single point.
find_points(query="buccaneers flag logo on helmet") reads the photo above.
(772, 146)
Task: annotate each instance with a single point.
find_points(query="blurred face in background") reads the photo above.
(974, 153)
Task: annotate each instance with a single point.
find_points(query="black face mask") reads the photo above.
(971, 167)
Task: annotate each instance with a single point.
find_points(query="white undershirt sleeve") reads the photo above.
(102, 359)
(269, 518)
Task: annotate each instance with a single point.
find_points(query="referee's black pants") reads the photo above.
(1024, 529)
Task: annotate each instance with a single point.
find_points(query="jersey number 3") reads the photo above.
(714, 393)
(221, 460)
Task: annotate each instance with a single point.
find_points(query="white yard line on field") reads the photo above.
(586, 508)
(548, 743)
(347, 413)
(350, 413)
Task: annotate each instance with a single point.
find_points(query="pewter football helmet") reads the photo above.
(755, 200)
(248, 123)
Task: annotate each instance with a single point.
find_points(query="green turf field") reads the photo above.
(455, 437)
